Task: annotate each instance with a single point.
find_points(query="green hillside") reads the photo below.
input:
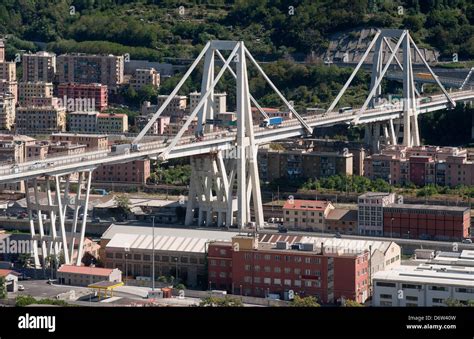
(152, 29)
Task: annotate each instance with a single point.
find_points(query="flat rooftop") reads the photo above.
(429, 207)
(166, 239)
(429, 274)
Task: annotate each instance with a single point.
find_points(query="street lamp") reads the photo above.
(391, 228)
(176, 259)
(127, 249)
(153, 254)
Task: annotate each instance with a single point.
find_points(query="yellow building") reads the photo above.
(112, 123)
(308, 215)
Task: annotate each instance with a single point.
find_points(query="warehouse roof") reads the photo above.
(166, 239)
(85, 270)
(429, 274)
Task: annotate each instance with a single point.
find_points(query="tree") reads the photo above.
(309, 301)
(352, 303)
(220, 302)
(180, 287)
(24, 259)
(123, 203)
(3, 288)
(450, 302)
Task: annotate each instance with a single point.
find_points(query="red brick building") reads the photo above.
(134, 172)
(426, 221)
(422, 170)
(249, 268)
(93, 93)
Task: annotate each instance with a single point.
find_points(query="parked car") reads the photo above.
(282, 230)
(21, 288)
(467, 241)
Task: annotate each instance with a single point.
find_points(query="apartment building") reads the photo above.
(449, 276)
(134, 172)
(112, 123)
(39, 66)
(8, 81)
(10, 87)
(177, 105)
(37, 89)
(92, 142)
(355, 148)
(46, 119)
(145, 77)
(219, 102)
(13, 147)
(421, 165)
(157, 128)
(370, 212)
(249, 267)
(87, 69)
(274, 164)
(7, 111)
(66, 148)
(82, 122)
(308, 215)
(8, 70)
(83, 97)
(426, 221)
(38, 150)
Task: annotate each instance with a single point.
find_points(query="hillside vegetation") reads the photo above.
(153, 29)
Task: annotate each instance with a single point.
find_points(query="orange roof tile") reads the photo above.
(85, 270)
(305, 205)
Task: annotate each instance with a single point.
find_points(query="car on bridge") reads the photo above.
(345, 109)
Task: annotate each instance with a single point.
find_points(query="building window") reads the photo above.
(277, 270)
(437, 288)
(287, 282)
(298, 283)
(223, 252)
(267, 257)
(267, 269)
(213, 262)
(287, 270)
(212, 274)
(257, 268)
(247, 279)
(277, 281)
(257, 280)
(385, 296)
(247, 267)
(267, 281)
(297, 271)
